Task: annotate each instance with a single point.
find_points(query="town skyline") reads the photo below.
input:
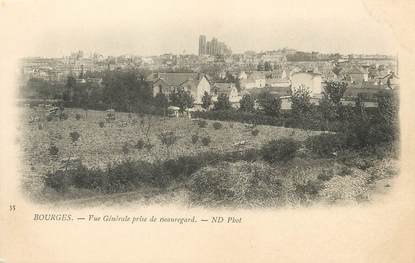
(90, 53)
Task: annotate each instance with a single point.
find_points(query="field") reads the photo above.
(135, 137)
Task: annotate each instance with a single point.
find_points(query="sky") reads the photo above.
(57, 28)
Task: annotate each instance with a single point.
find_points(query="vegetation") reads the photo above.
(245, 165)
(223, 103)
(270, 105)
(279, 150)
(206, 100)
(247, 103)
(205, 141)
(217, 125)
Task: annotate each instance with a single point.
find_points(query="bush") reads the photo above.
(325, 175)
(57, 181)
(101, 124)
(238, 116)
(127, 175)
(345, 170)
(279, 150)
(217, 125)
(140, 144)
(240, 184)
(326, 144)
(49, 118)
(255, 132)
(39, 126)
(74, 136)
(168, 138)
(53, 150)
(202, 123)
(205, 141)
(77, 116)
(310, 190)
(195, 139)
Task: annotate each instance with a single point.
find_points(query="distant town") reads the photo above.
(216, 70)
(216, 129)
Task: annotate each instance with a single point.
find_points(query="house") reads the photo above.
(229, 89)
(254, 79)
(277, 83)
(195, 83)
(358, 74)
(311, 80)
(242, 75)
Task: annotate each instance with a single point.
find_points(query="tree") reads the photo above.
(269, 104)
(327, 110)
(247, 103)
(267, 66)
(161, 101)
(124, 90)
(335, 90)
(301, 104)
(42, 89)
(69, 88)
(182, 99)
(206, 100)
(387, 115)
(223, 103)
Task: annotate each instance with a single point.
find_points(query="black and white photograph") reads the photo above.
(224, 118)
(255, 131)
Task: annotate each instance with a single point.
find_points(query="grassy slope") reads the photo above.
(98, 146)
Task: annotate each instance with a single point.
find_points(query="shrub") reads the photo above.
(77, 116)
(168, 138)
(49, 118)
(239, 116)
(101, 124)
(195, 139)
(53, 150)
(222, 103)
(279, 150)
(345, 170)
(202, 123)
(255, 132)
(57, 181)
(310, 190)
(140, 144)
(119, 177)
(247, 103)
(205, 141)
(326, 144)
(39, 126)
(217, 125)
(240, 184)
(127, 175)
(325, 175)
(74, 136)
